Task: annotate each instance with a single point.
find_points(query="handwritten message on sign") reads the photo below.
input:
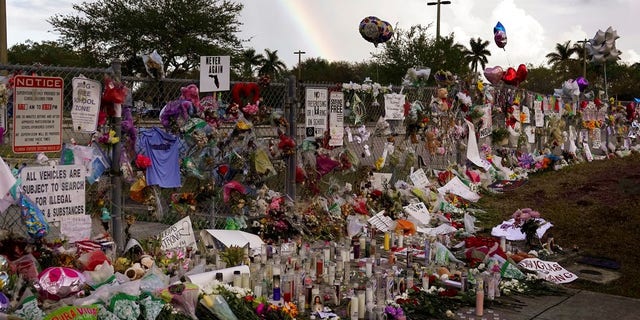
(179, 235)
(552, 271)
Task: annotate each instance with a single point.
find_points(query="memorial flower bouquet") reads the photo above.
(244, 305)
(433, 303)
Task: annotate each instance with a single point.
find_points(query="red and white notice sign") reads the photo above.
(37, 114)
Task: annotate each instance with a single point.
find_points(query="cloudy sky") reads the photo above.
(329, 28)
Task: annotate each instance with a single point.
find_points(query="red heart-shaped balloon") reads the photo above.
(522, 72)
(494, 75)
(510, 77)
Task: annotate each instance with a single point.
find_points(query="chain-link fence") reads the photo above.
(148, 96)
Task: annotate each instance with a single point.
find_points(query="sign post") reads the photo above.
(214, 73)
(37, 114)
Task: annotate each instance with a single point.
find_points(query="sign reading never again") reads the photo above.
(215, 73)
(59, 191)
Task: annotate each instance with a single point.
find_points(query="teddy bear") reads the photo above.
(440, 102)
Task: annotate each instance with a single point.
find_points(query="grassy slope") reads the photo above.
(595, 207)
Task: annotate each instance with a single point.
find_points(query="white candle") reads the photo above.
(354, 308)
(503, 244)
(362, 304)
(401, 241)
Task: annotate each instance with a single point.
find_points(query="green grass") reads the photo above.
(595, 209)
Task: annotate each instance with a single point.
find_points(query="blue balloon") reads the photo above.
(499, 27)
(637, 100)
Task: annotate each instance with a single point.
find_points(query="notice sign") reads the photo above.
(214, 73)
(316, 111)
(57, 190)
(548, 270)
(336, 118)
(37, 114)
(87, 94)
(179, 235)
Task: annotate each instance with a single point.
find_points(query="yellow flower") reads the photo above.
(379, 163)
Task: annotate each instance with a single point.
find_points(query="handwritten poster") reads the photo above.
(179, 235)
(548, 270)
(394, 106)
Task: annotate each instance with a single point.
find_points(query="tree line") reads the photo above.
(100, 31)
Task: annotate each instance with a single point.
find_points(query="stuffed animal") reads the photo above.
(440, 102)
(192, 94)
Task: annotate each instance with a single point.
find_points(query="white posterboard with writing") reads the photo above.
(215, 73)
(76, 228)
(37, 114)
(179, 235)
(87, 94)
(487, 121)
(59, 191)
(316, 110)
(394, 106)
(336, 118)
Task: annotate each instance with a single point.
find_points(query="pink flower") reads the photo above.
(250, 109)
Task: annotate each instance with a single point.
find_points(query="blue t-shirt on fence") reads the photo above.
(164, 151)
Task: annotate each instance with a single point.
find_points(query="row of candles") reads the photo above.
(328, 272)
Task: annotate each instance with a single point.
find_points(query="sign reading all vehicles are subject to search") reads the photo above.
(37, 114)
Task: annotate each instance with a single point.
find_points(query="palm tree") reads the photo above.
(250, 62)
(478, 53)
(271, 64)
(562, 57)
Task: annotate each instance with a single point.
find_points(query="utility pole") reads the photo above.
(299, 53)
(584, 57)
(4, 59)
(438, 3)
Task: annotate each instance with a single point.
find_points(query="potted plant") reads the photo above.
(500, 136)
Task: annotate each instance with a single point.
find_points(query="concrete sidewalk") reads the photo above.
(575, 304)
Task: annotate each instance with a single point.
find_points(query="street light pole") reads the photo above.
(299, 53)
(438, 3)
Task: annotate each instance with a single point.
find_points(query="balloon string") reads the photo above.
(507, 55)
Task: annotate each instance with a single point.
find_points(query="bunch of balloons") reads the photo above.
(603, 46)
(375, 30)
(500, 35)
(511, 77)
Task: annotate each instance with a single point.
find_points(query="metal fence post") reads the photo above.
(116, 174)
(292, 103)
